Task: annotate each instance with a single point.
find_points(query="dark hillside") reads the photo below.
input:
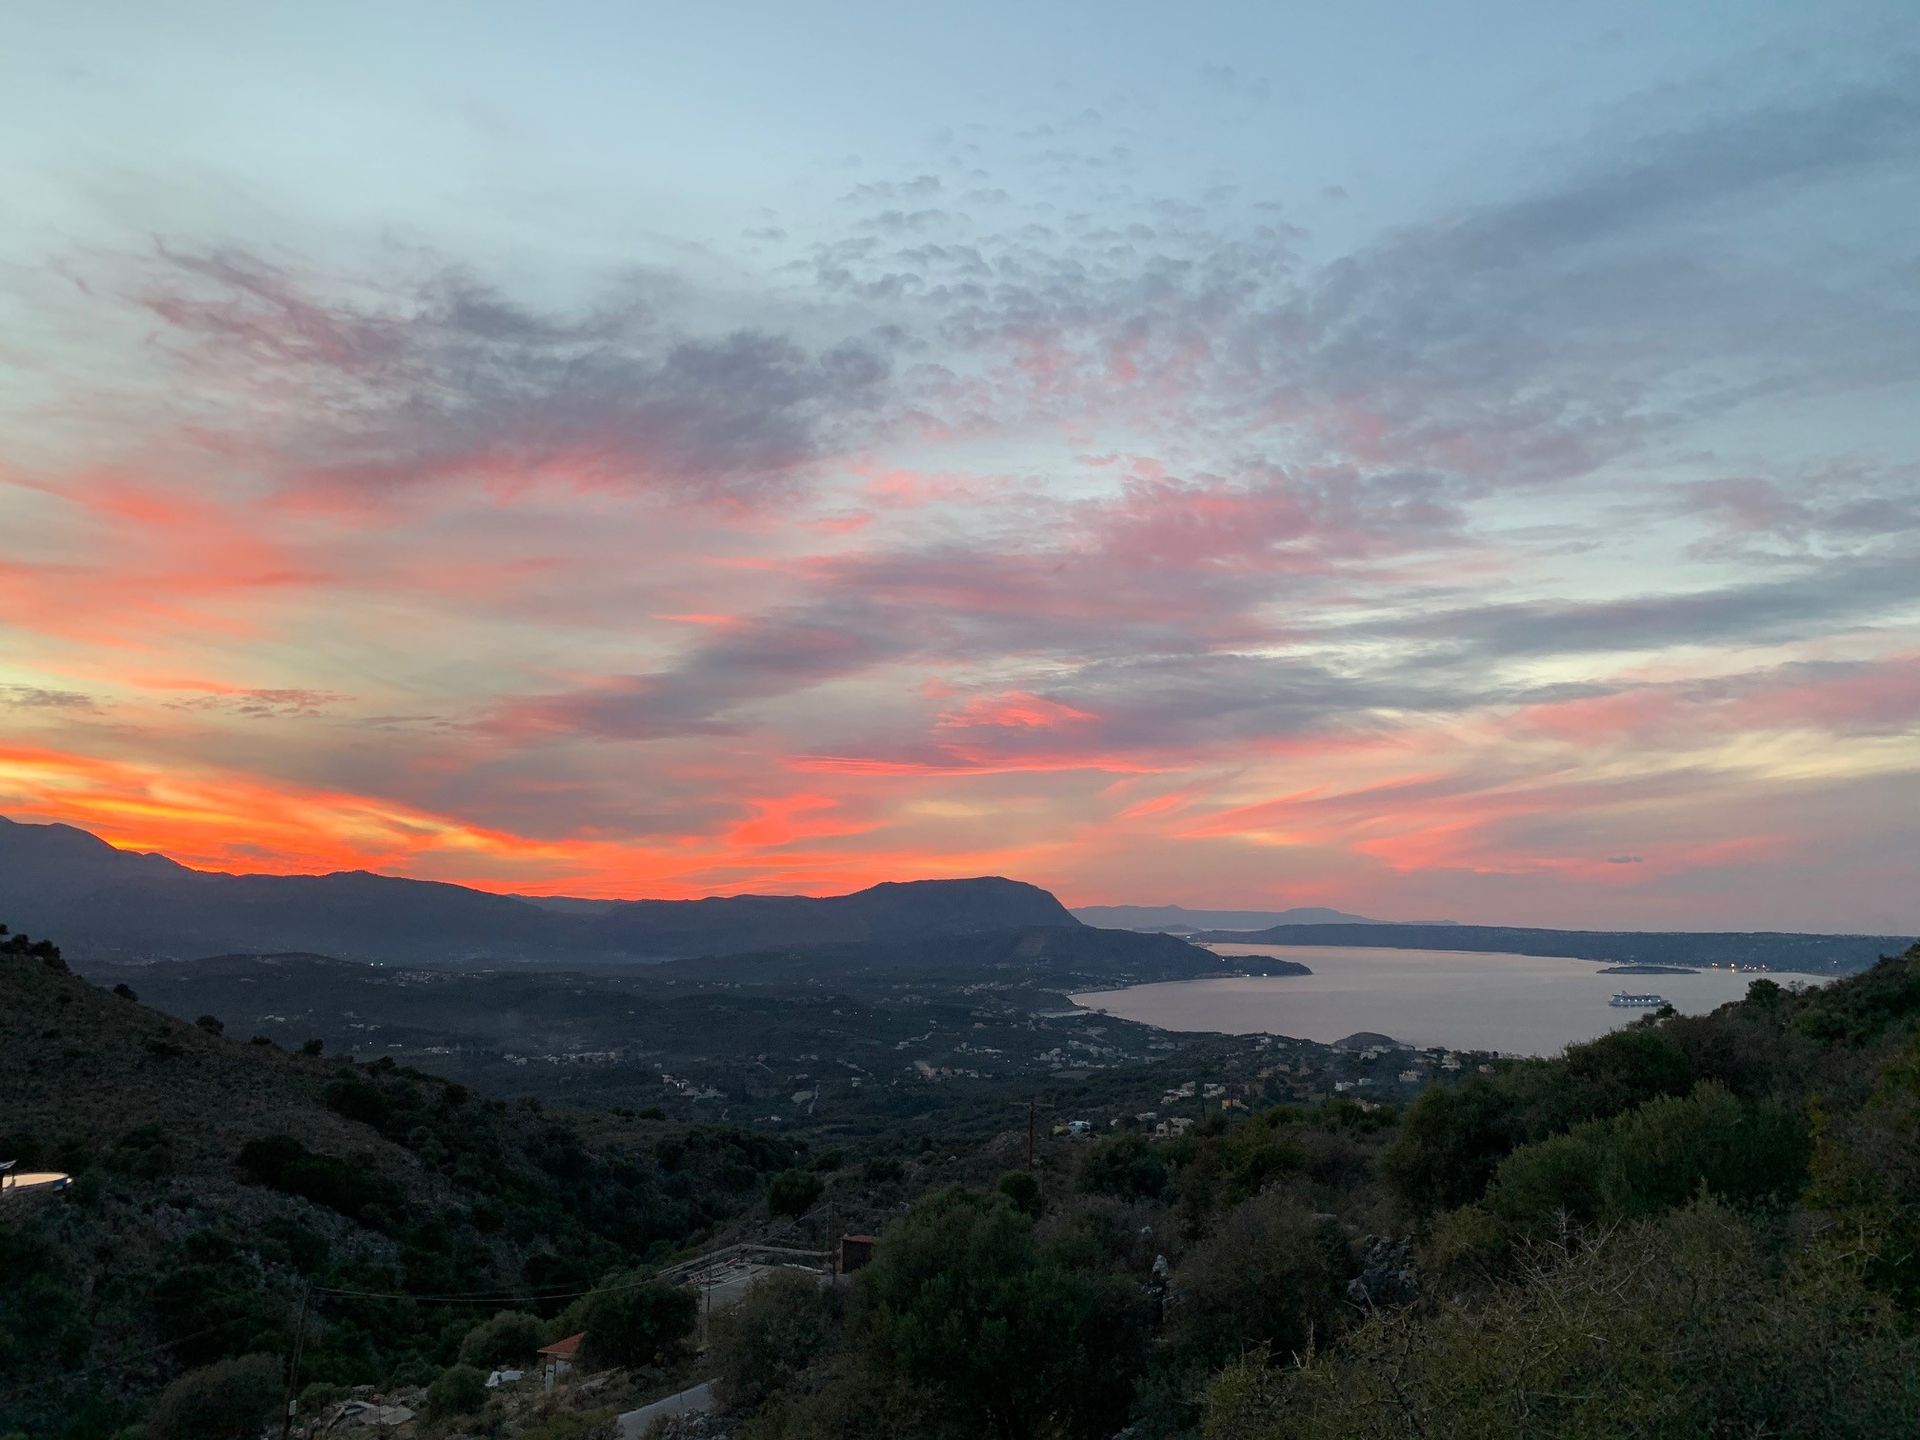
(215, 1177)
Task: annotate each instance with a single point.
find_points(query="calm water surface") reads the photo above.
(1517, 1004)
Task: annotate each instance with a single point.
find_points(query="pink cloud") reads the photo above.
(1879, 695)
(1015, 710)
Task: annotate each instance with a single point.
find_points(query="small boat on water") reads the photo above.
(1627, 1000)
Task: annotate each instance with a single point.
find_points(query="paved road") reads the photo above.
(634, 1423)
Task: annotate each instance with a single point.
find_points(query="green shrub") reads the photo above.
(1257, 1156)
(1020, 1187)
(459, 1390)
(1466, 1246)
(509, 1335)
(760, 1345)
(631, 1320)
(1125, 1167)
(959, 1300)
(223, 1298)
(359, 1100)
(146, 1152)
(1675, 1327)
(232, 1400)
(1094, 1234)
(792, 1192)
(1271, 1277)
(282, 1163)
(319, 1395)
(1450, 1141)
(1655, 1157)
(1558, 1176)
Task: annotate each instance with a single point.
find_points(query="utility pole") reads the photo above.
(293, 1360)
(1033, 1109)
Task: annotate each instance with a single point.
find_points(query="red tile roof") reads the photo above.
(565, 1348)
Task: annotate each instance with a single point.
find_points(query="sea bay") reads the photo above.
(1515, 1004)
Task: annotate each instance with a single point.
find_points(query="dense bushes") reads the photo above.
(1125, 1167)
(1628, 1245)
(457, 1390)
(215, 1307)
(1023, 1190)
(960, 1301)
(509, 1335)
(1269, 1279)
(792, 1192)
(1454, 1138)
(632, 1320)
(767, 1341)
(1653, 1158)
(228, 1401)
(1698, 1225)
(1673, 1327)
(43, 1321)
(1867, 1166)
(358, 1191)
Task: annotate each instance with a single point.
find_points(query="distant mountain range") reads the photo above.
(104, 904)
(1770, 949)
(108, 904)
(1178, 920)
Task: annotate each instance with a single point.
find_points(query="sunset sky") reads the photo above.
(1444, 461)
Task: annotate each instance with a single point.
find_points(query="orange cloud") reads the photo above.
(222, 820)
(779, 822)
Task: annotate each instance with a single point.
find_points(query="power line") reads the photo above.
(481, 1297)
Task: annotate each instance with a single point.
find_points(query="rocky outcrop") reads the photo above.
(1388, 1275)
